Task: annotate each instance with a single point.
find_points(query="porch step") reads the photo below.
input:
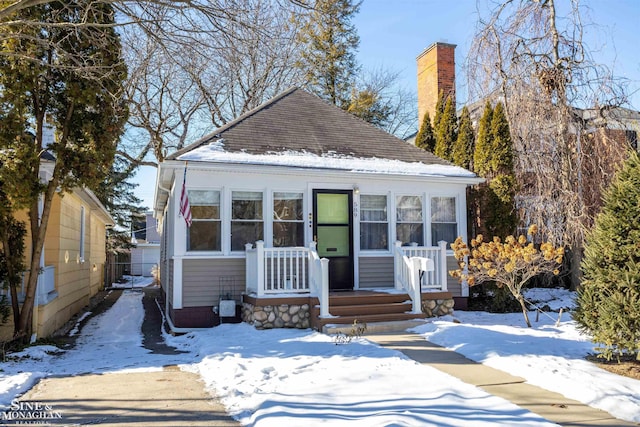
(374, 328)
(370, 307)
(373, 321)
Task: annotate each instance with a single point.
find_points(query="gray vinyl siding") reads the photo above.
(452, 283)
(376, 272)
(204, 280)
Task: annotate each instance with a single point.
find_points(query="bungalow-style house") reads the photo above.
(301, 214)
(72, 265)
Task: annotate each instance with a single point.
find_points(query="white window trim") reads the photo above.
(206, 254)
(459, 213)
(83, 225)
(229, 218)
(426, 218)
(390, 212)
(268, 223)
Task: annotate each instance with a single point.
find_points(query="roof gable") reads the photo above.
(299, 121)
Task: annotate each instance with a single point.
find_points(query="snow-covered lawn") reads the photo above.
(294, 377)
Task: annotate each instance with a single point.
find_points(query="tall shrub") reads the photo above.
(609, 295)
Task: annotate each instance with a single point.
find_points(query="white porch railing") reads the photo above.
(274, 271)
(420, 269)
(435, 280)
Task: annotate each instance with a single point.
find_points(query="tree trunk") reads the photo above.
(525, 312)
(15, 308)
(576, 271)
(23, 328)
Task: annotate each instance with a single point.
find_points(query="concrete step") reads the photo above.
(367, 309)
(373, 327)
(369, 319)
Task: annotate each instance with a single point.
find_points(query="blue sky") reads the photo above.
(394, 32)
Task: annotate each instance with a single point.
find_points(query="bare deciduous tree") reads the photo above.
(537, 62)
(180, 91)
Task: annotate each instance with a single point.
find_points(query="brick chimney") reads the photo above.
(436, 72)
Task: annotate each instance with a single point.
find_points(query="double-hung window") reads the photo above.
(374, 227)
(288, 224)
(444, 225)
(247, 225)
(205, 233)
(409, 220)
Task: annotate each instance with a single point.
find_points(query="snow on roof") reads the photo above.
(215, 152)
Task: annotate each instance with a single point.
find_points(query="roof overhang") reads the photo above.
(96, 206)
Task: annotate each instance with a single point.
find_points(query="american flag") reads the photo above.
(185, 209)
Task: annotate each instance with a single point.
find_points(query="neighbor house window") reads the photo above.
(206, 228)
(409, 220)
(443, 220)
(374, 227)
(288, 225)
(82, 231)
(247, 224)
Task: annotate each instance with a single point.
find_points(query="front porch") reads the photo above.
(289, 288)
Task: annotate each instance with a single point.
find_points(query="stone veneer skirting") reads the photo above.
(270, 313)
(437, 307)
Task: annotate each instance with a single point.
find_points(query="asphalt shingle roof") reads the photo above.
(298, 121)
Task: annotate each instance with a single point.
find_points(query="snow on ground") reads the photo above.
(300, 377)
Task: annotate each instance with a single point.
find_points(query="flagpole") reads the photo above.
(185, 208)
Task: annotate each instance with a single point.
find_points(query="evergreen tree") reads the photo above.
(425, 138)
(446, 131)
(462, 152)
(369, 106)
(609, 296)
(438, 110)
(69, 73)
(115, 192)
(482, 151)
(329, 57)
(501, 159)
(493, 160)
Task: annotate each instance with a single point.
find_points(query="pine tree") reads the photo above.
(425, 138)
(493, 160)
(462, 152)
(481, 164)
(446, 131)
(329, 57)
(609, 296)
(73, 75)
(115, 192)
(501, 145)
(438, 110)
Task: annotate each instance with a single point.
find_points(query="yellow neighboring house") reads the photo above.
(72, 268)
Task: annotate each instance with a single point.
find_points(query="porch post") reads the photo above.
(324, 293)
(260, 267)
(397, 260)
(416, 286)
(444, 274)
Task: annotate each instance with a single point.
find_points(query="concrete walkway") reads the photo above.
(166, 398)
(549, 405)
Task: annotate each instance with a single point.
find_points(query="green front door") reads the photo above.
(333, 232)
